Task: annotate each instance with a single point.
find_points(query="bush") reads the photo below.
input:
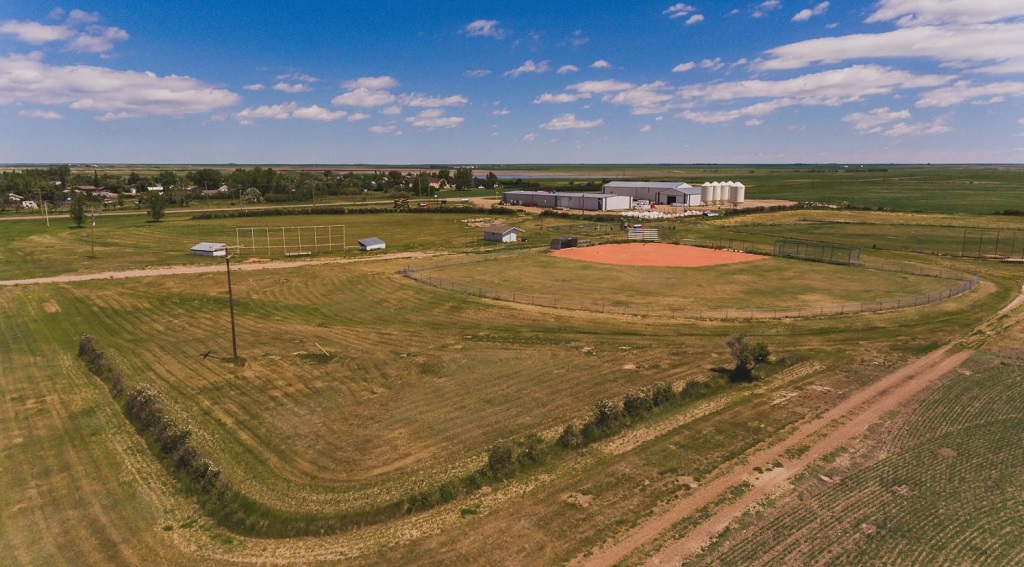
(532, 451)
(662, 394)
(637, 405)
(570, 437)
(500, 463)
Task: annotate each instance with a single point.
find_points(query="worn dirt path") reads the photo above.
(212, 267)
(821, 435)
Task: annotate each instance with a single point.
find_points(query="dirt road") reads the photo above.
(213, 267)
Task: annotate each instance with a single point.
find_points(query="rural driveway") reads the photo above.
(205, 269)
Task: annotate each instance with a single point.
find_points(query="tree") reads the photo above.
(252, 195)
(78, 209)
(492, 180)
(464, 178)
(500, 462)
(157, 206)
(207, 178)
(445, 174)
(746, 355)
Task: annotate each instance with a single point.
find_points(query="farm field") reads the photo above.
(360, 386)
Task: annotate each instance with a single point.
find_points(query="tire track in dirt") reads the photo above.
(859, 410)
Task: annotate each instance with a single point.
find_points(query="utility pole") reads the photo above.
(231, 307)
(92, 235)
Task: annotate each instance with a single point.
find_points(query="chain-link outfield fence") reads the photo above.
(966, 283)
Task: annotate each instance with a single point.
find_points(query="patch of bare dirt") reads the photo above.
(946, 453)
(51, 307)
(578, 500)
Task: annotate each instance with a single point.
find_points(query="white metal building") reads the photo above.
(373, 243)
(502, 233)
(657, 192)
(571, 201)
(210, 249)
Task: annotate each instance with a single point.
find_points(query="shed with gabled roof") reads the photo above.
(502, 233)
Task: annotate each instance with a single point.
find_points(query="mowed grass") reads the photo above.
(764, 283)
(29, 249)
(947, 490)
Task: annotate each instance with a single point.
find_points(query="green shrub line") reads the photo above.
(171, 443)
(336, 210)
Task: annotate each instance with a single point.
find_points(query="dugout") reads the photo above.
(564, 242)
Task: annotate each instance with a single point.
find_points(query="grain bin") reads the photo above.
(738, 193)
(705, 193)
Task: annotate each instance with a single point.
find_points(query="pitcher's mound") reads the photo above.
(655, 254)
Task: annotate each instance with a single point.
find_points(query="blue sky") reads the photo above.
(776, 81)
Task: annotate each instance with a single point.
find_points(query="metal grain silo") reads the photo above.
(705, 193)
(738, 193)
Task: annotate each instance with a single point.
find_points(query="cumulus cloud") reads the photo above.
(287, 88)
(254, 87)
(502, 112)
(872, 121)
(265, 112)
(605, 86)
(363, 97)
(560, 98)
(26, 78)
(485, 28)
(300, 77)
(650, 98)
(533, 136)
(371, 83)
(319, 113)
(963, 91)
(646, 128)
(754, 122)
(712, 64)
(565, 69)
(35, 33)
(569, 121)
(908, 13)
(434, 118)
(694, 19)
(424, 101)
(994, 48)
(600, 64)
(679, 10)
(77, 16)
(937, 126)
(97, 39)
(683, 67)
(41, 114)
(529, 67)
(391, 110)
(382, 129)
(292, 110)
(767, 6)
(808, 13)
(478, 73)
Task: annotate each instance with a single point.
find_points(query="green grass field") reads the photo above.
(418, 382)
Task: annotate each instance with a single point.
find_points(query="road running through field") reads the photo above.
(821, 435)
(215, 266)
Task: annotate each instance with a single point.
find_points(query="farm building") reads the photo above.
(210, 249)
(672, 193)
(502, 233)
(373, 243)
(564, 242)
(573, 201)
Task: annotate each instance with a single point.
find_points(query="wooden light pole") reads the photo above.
(231, 307)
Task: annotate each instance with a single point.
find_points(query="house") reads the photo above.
(157, 188)
(436, 183)
(14, 198)
(373, 243)
(210, 249)
(502, 233)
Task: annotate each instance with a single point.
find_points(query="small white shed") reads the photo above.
(502, 233)
(372, 243)
(210, 249)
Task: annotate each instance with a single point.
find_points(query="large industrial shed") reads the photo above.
(573, 201)
(657, 192)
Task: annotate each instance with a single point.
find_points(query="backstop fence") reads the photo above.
(817, 252)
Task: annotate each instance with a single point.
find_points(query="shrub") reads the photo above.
(662, 394)
(500, 463)
(532, 451)
(637, 405)
(570, 437)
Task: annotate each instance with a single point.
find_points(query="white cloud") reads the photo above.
(254, 87)
(357, 116)
(266, 112)
(391, 110)
(533, 136)
(569, 121)
(382, 129)
(434, 118)
(363, 97)
(478, 72)
(97, 39)
(995, 45)
(296, 88)
(565, 69)
(871, 121)
(560, 98)
(679, 10)
(83, 87)
(34, 32)
(485, 28)
(712, 64)
(502, 112)
(808, 13)
(600, 64)
(82, 17)
(605, 86)
(371, 83)
(578, 39)
(318, 113)
(767, 6)
(694, 19)
(683, 67)
(424, 101)
(754, 122)
(107, 117)
(300, 77)
(42, 114)
(646, 128)
(645, 99)
(56, 14)
(963, 91)
(908, 13)
(528, 67)
(937, 126)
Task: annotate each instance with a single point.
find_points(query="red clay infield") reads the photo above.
(655, 254)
